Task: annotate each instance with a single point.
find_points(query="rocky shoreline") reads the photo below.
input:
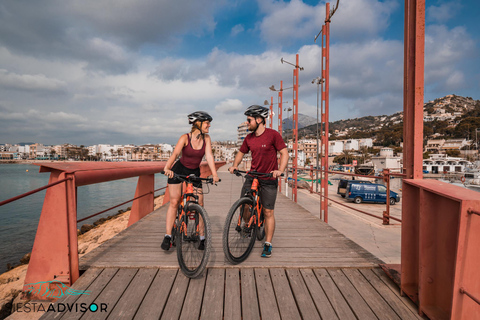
(89, 238)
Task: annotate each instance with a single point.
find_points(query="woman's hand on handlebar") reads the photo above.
(169, 173)
(215, 178)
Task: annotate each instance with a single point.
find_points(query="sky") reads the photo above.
(130, 71)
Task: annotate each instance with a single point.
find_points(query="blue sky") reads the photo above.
(87, 72)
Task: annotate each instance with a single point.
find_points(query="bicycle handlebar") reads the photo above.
(192, 177)
(254, 173)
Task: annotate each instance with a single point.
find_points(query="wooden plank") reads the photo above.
(391, 294)
(132, 298)
(193, 301)
(233, 302)
(353, 298)
(341, 307)
(249, 295)
(111, 293)
(318, 295)
(82, 283)
(305, 304)
(173, 308)
(213, 300)
(156, 297)
(266, 295)
(96, 288)
(381, 309)
(286, 302)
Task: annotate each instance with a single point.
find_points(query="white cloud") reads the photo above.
(29, 82)
(239, 28)
(443, 12)
(230, 106)
(354, 20)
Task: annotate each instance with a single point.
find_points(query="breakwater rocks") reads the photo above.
(11, 282)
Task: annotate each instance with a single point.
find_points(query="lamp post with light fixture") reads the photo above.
(296, 71)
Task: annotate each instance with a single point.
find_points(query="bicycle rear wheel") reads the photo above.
(191, 259)
(238, 238)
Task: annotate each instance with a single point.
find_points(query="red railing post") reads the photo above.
(144, 205)
(386, 214)
(295, 129)
(55, 249)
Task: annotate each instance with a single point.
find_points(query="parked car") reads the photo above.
(373, 192)
(343, 183)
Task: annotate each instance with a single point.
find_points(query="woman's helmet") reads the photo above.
(199, 116)
(257, 111)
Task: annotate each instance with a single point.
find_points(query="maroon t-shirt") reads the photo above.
(264, 150)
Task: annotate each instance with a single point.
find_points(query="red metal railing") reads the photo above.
(55, 249)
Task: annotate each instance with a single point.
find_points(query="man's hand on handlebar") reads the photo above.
(276, 173)
(232, 169)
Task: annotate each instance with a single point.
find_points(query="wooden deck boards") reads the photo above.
(247, 293)
(314, 272)
(300, 240)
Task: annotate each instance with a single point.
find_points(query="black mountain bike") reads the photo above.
(190, 223)
(244, 222)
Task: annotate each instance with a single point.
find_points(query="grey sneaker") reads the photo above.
(166, 243)
(267, 251)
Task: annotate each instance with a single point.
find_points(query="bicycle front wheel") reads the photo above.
(192, 258)
(238, 237)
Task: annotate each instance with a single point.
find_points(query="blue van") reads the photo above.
(374, 192)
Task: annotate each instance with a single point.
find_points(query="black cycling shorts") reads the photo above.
(179, 168)
(267, 193)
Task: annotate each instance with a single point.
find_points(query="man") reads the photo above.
(264, 144)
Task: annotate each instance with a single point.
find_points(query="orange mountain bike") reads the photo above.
(190, 223)
(244, 222)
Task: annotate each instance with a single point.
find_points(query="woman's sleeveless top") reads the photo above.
(191, 158)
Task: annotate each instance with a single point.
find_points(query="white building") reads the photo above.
(351, 144)
(386, 160)
(438, 163)
(242, 131)
(367, 142)
(335, 147)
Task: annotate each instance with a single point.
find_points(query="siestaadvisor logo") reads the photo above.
(54, 290)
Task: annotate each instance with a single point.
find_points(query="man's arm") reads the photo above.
(283, 163)
(236, 162)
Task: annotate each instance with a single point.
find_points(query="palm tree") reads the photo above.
(346, 156)
(365, 154)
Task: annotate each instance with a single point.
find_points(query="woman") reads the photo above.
(193, 146)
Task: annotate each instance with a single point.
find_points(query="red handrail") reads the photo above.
(33, 191)
(121, 204)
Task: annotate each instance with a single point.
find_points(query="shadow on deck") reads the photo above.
(314, 272)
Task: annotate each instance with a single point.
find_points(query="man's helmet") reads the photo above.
(199, 116)
(257, 111)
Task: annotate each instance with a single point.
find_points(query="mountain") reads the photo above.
(449, 117)
(303, 121)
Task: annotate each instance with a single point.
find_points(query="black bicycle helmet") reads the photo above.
(199, 116)
(257, 111)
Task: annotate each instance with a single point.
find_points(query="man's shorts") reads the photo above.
(179, 168)
(268, 191)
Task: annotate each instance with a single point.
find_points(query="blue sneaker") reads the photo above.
(267, 251)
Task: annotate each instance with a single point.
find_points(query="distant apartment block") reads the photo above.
(242, 131)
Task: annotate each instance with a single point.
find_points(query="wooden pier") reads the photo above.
(314, 273)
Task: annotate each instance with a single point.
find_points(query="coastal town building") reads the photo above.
(439, 163)
(387, 160)
(242, 131)
(442, 145)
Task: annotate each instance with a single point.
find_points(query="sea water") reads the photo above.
(19, 219)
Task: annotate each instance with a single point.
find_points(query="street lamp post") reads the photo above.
(296, 71)
(317, 81)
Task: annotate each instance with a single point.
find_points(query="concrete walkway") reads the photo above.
(368, 232)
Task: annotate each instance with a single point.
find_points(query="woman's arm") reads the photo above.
(209, 157)
(176, 152)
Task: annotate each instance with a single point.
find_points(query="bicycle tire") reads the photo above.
(261, 229)
(193, 261)
(237, 244)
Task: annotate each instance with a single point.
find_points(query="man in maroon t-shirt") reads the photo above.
(264, 144)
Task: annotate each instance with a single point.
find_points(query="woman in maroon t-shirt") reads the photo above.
(193, 146)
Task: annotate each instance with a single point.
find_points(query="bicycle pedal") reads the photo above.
(238, 229)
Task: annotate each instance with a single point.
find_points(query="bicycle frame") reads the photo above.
(256, 204)
(187, 195)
